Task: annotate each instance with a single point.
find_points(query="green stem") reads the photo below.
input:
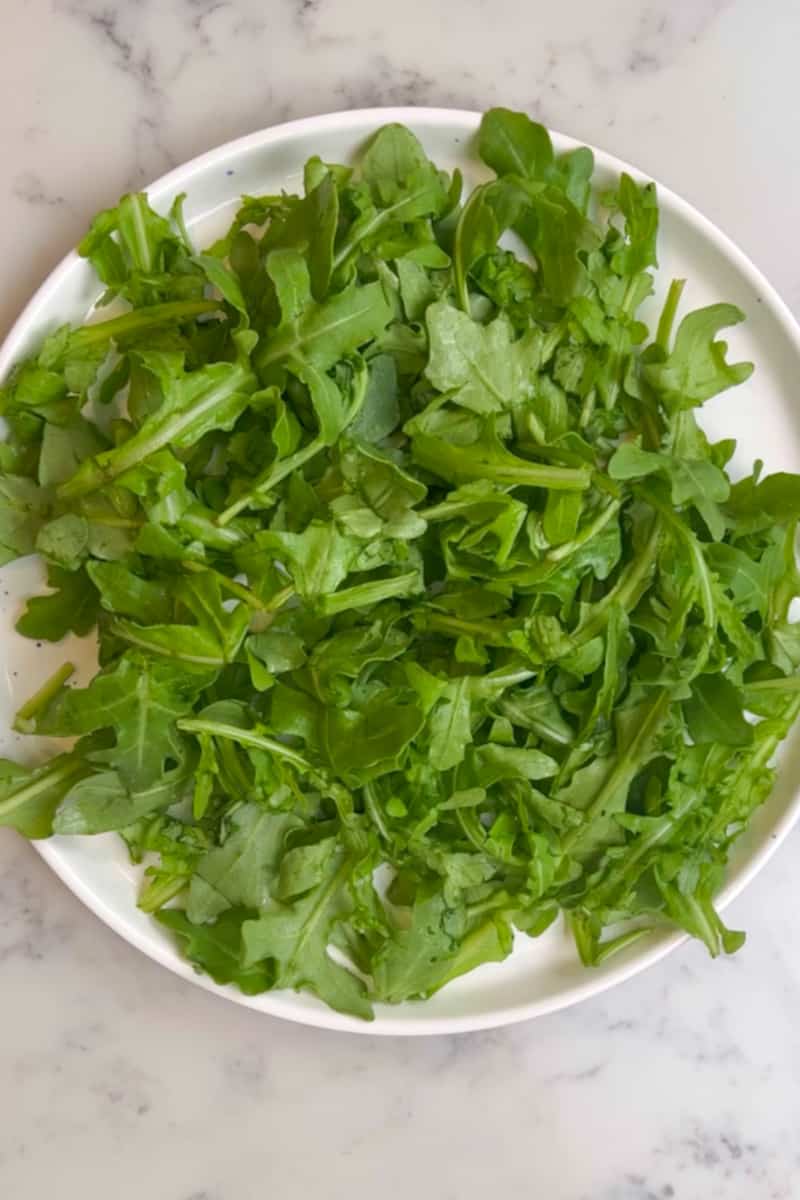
(587, 408)
(606, 950)
(485, 630)
(463, 463)
(228, 585)
(626, 589)
(700, 571)
(625, 768)
(667, 318)
(559, 553)
(272, 476)
(630, 293)
(208, 531)
(571, 479)
(245, 737)
(279, 599)
(154, 434)
(25, 721)
(127, 631)
(364, 594)
(509, 679)
(423, 825)
(790, 683)
(142, 319)
(501, 900)
(25, 794)
(373, 808)
(380, 217)
(471, 828)
(158, 893)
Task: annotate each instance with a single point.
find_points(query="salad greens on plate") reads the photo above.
(426, 611)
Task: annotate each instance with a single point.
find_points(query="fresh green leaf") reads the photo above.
(296, 940)
(714, 713)
(216, 949)
(696, 368)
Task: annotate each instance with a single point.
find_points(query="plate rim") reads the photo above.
(280, 1004)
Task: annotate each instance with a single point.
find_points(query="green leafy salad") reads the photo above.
(426, 611)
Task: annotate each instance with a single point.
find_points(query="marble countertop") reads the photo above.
(118, 1079)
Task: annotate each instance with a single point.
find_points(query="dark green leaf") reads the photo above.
(714, 712)
(216, 949)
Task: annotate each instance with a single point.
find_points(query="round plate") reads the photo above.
(543, 974)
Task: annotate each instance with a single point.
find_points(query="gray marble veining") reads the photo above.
(117, 1078)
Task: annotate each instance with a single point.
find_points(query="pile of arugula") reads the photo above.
(426, 611)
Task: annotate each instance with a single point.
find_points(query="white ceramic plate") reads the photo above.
(544, 974)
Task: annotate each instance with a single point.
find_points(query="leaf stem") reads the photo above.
(25, 721)
(272, 476)
(157, 893)
(245, 737)
(559, 553)
(372, 592)
(55, 775)
(229, 585)
(625, 591)
(786, 683)
(372, 805)
(127, 631)
(142, 319)
(667, 318)
(625, 767)
(154, 434)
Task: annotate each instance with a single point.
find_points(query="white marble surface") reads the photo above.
(118, 1079)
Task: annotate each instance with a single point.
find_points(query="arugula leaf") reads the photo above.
(29, 798)
(400, 176)
(450, 726)
(696, 481)
(400, 185)
(241, 870)
(296, 939)
(322, 334)
(71, 608)
(103, 802)
(216, 949)
(479, 365)
(488, 458)
(323, 205)
(121, 591)
(640, 209)
(134, 250)
(192, 405)
(23, 506)
(512, 144)
(319, 558)
(140, 699)
(359, 744)
(63, 449)
(714, 713)
(379, 414)
(696, 368)
(421, 959)
(488, 211)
